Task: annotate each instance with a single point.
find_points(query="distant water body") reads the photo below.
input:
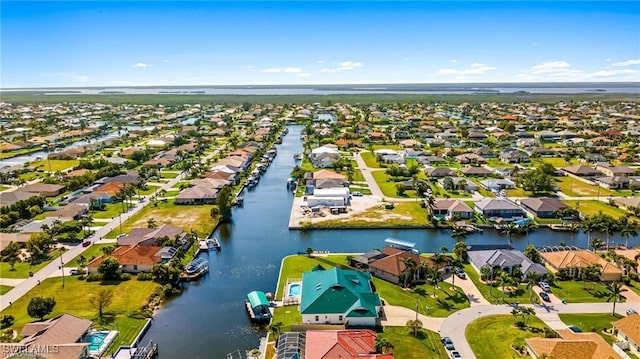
(470, 88)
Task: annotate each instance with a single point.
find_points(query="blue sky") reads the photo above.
(96, 43)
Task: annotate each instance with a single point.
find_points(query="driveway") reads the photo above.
(470, 289)
(396, 316)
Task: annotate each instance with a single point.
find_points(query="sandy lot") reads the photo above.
(358, 205)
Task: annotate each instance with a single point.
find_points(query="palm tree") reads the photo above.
(459, 234)
(275, 329)
(590, 226)
(460, 250)
(455, 263)
(596, 243)
(383, 346)
(509, 230)
(409, 269)
(628, 229)
(503, 280)
(415, 325)
(151, 223)
(615, 294)
(532, 279)
(444, 249)
(434, 276)
(485, 272)
(254, 353)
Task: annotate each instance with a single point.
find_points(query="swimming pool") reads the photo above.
(295, 289)
(99, 341)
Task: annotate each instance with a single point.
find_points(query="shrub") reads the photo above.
(144, 276)
(95, 277)
(6, 321)
(125, 276)
(626, 280)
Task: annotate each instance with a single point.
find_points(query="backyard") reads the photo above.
(491, 337)
(128, 297)
(186, 217)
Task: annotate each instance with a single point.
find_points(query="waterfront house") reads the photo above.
(324, 156)
(571, 262)
(343, 344)
(450, 208)
(331, 197)
(339, 296)
(506, 260)
(325, 179)
(150, 236)
(498, 208)
(570, 345)
(61, 337)
(362, 261)
(392, 266)
(543, 207)
(628, 333)
(197, 195)
(133, 259)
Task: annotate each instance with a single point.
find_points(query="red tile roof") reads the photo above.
(342, 344)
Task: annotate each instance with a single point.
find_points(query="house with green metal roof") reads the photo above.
(339, 296)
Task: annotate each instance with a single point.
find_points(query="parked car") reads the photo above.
(631, 311)
(73, 271)
(456, 355)
(448, 343)
(357, 194)
(545, 286)
(86, 243)
(460, 273)
(545, 296)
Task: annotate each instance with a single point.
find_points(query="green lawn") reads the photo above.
(150, 189)
(388, 147)
(496, 163)
(197, 217)
(388, 187)
(579, 291)
(592, 322)
(4, 289)
(440, 192)
(2, 188)
(128, 297)
(494, 294)
(22, 269)
(56, 165)
(288, 315)
(447, 302)
(590, 208)
(407, 346)
(449, 299)
(168, 175)
(491, 337)
(635, 287)
(576, 188)
(111, 210)
(172, 193)
(559, 161)
(404, 214)
(92, 252)
(370, 159)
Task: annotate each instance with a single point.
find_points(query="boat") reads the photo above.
(258, 306)
(208, 244)
(561, 227)
(297, 156)
(197, 266)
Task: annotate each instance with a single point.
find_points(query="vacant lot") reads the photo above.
(491, 337)
(56, 165)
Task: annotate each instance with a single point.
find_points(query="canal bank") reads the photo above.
(209, 319)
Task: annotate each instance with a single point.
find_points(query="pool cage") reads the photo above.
(291, 345)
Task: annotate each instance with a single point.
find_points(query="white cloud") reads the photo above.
(319, 62)
(166, 61)
(344, 66)
(303, 74)
(288, 69)
(626, 63)
(453, 61)
(475, 68)
(549, 67)
(141, 65)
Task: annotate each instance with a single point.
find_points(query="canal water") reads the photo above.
(209, 319)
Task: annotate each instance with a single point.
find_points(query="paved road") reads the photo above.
(454, 326)
(53, 269)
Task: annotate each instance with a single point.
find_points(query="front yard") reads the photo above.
(580, 292)
(407, 346)
(520, 295)
(22, 269)
(491, 337)
(592, 322)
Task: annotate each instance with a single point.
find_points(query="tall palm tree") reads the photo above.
(532, 279)
(459, 234)
(590, 225)
(275, 329)
(509, 230)
(460, 250)
(415, 325)
(615, 294)
(596, 243)
(151, 223)
(628, 229)
(455, 263)
(503, 280)
(410, 267)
